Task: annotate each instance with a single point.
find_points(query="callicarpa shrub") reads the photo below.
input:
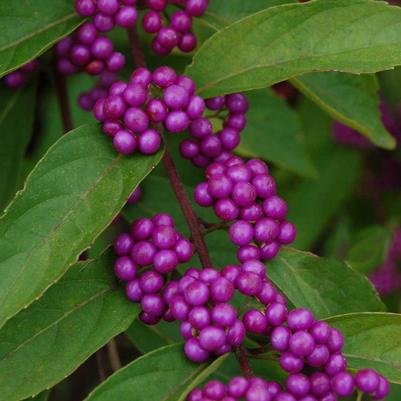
(171, 170)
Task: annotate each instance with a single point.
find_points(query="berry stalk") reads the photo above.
(243, 361)
(185, 204)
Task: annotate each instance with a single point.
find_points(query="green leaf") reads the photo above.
(325, 286)
(293, 39)
(312, 203)
(222, 13)
(350, 99)
(15, 135)
(369, 249)
(30, 28)
(158, 197)
(274, 133)
(69, 199)
(162, 375)
(373, 340)
(47, 341)
(148, 338)
(44, 396)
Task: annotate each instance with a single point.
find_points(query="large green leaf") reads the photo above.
(372, 340)
(274, 133)
(350, 99)
(147, 338)
(222, 13)
(289, 40)
(312, 203)
(369, 249)
(15, 135)
(325, 286)
(47, 341)
(69, 199)
(162, 375)
(30, 27)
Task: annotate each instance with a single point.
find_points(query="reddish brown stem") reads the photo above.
(243, 361)
(136, 48)
(62, 94)
(186, 207)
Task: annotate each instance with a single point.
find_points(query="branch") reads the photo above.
(243, 361)
(114, 357)
(186, 207)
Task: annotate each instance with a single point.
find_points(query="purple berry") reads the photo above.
(211, 338)
(248, 283)
(280, 337)
(124, 142)
(123, 244)
(176, 97)
(152, 22)
(221, 290)
(136, 119)
(275, 208)
(343, 384)
(298, 384)
(241, 232)
(177, 121)
(151, 282)
(300, 319)
(301, 343)
(126, 17)
(367, 380)
(133, 291)
(156, 110)
(224, 315)
(255, 322)
(135, 94)
(266, 230)
(194, 351)
(143, 253)
(124, 268)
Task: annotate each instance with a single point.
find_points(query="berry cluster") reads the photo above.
(87, 51)
(132, 111)
(107, 13)
(244, 193)
(204, 147)
(20, 77)
(209, 324)
(297, 387)
(87, 100)
(151, 243)
(178, 30)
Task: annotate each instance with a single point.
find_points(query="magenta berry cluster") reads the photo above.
(298, 387)
(245, 194)
(150, 251)
(205, 147)
(177, 30)
(132, 112)
(106, 14)
(19, 78)
(209, 323)
(87, 51)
